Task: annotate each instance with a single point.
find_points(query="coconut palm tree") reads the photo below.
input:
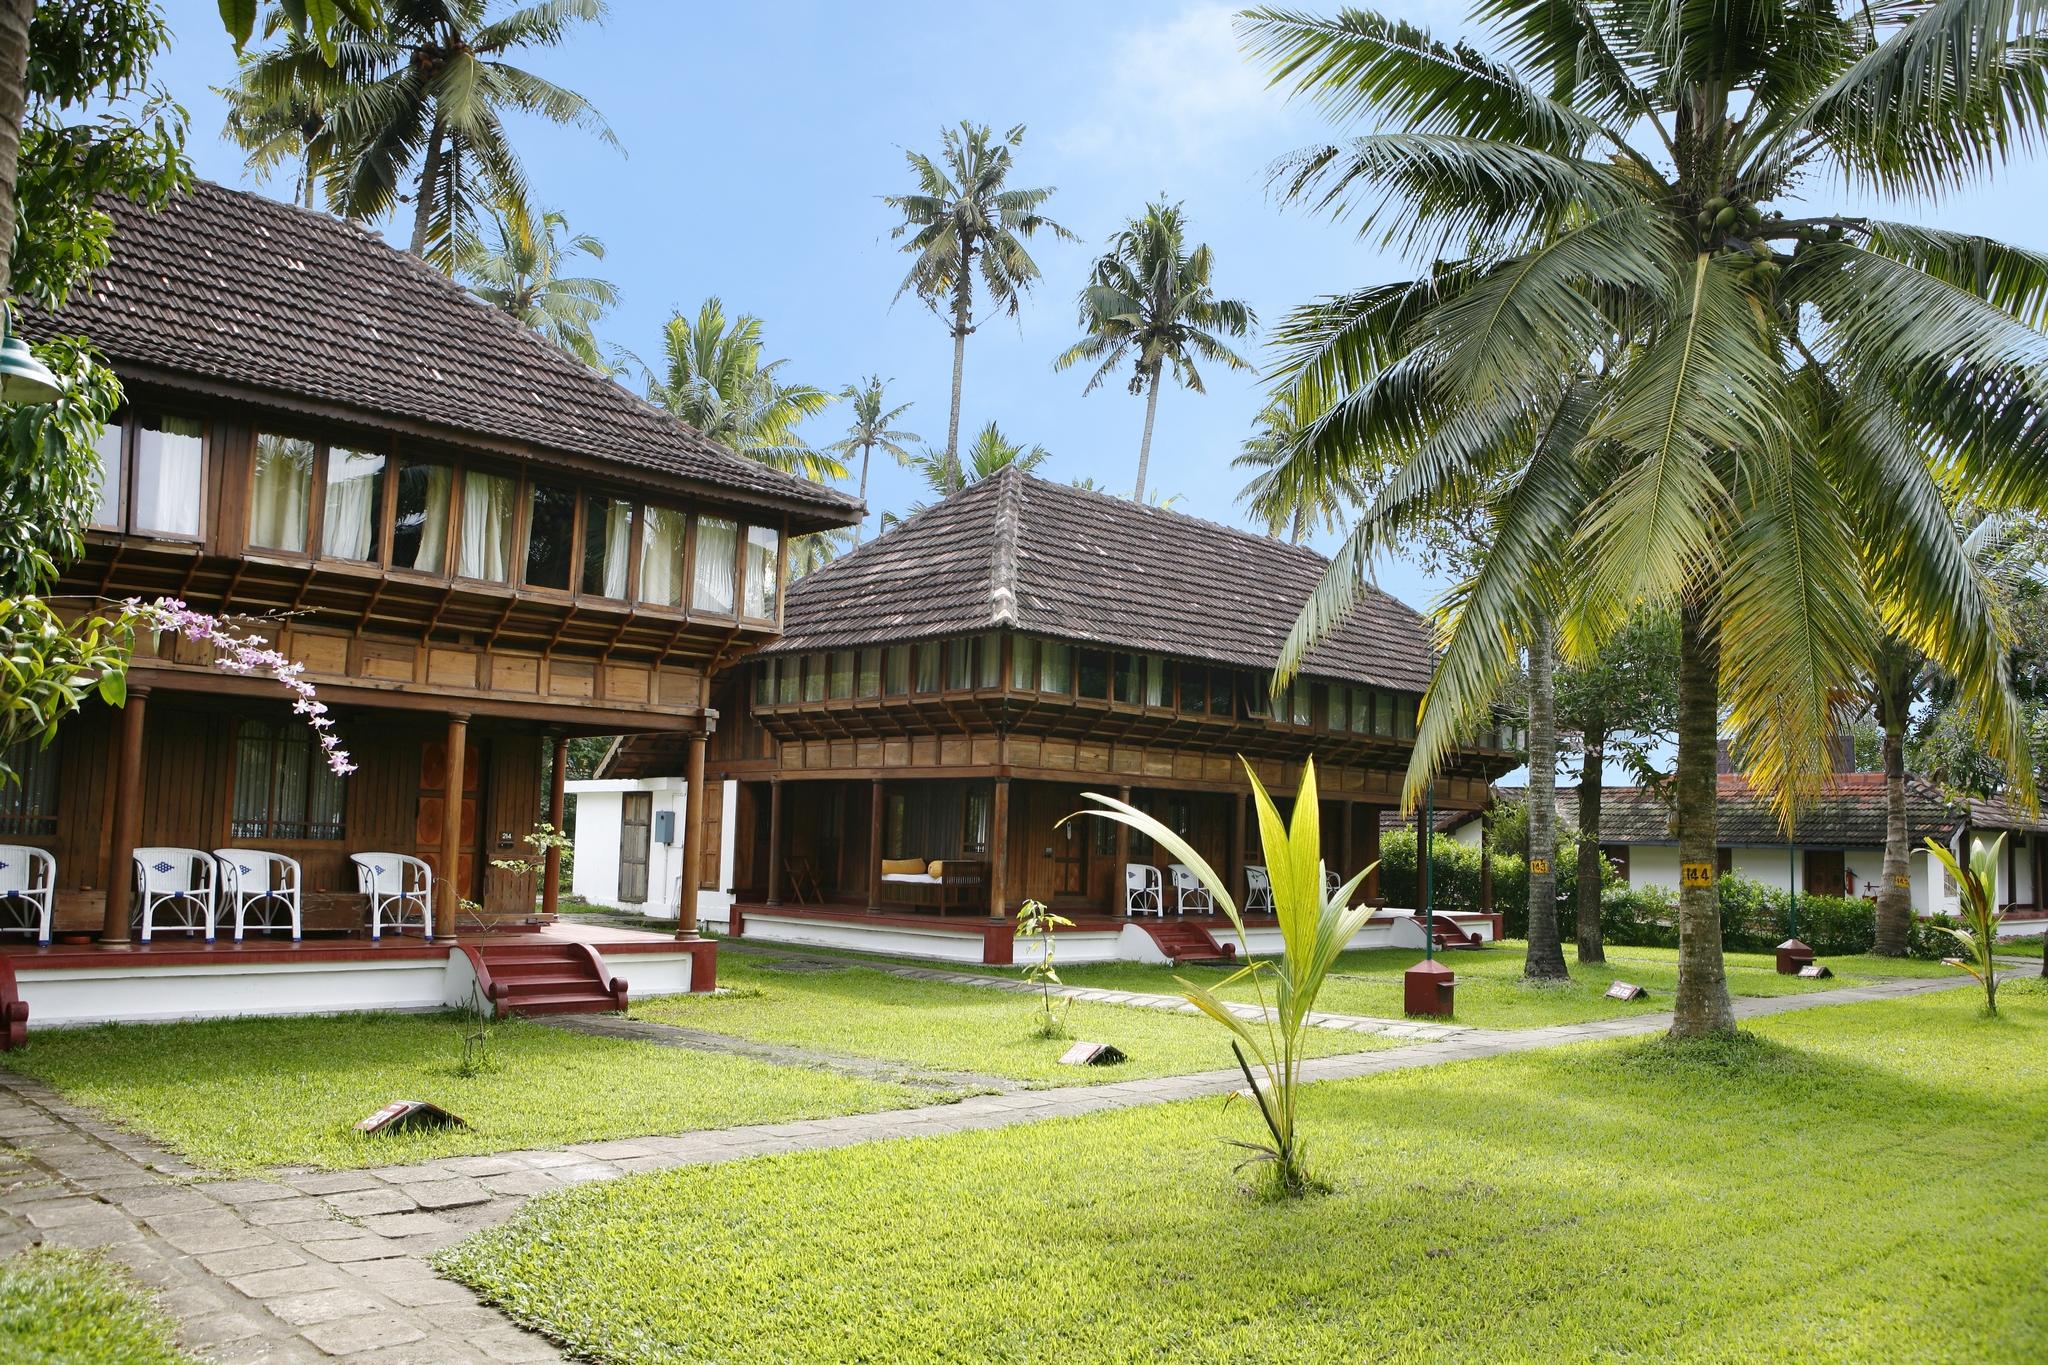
(1150, 301)
(1684, 396)
(712, 376)
(418, 110)
(520, 273)
(964, 218)
(1293, 497)
(990, 453)
(872, 429)
(274, 124)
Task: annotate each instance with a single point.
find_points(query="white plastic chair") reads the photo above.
(394, 882)
(250, 878)
(1332, 884)
(23, 892)
(1258, 890)
(1189, 893)
(1144, 892)
(180, 881)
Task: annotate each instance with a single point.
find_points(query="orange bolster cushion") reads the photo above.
(900, 866)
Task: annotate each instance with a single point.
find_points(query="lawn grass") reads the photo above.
(931, 1025)
(1492, 994)
(1851, 1184)
(239, 1094)
(62, 1307)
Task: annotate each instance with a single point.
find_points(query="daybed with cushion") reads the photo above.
(942, 885)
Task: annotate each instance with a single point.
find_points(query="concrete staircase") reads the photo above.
(1182, 941)
(546, 978)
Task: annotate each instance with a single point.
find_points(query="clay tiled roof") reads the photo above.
(1851, 814)
(1024, 553)
(2002, 813)
(233, 288)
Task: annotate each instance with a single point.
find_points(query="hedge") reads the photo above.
(1455, 878)
(1756, 919)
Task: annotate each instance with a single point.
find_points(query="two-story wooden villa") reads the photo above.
(476, 546)
(941, 697)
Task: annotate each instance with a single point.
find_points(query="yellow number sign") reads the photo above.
(1903, 883)
(1695, 874)
(1538, 866)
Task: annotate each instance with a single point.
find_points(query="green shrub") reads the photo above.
(1455, 878)
(1646, 917)
(1756, 919)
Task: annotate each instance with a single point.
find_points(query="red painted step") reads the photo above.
(1185, 942)
(545, 978)
(1450, 934)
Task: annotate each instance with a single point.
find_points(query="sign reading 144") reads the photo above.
(1695, 874)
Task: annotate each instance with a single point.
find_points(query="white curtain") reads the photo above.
(281, 499)
(107, 510)
(717, 542)
(168, 461)
(349, 511)
(486, 549)
(618, 546)
(423, 509)
(661, 558)
(761, 575)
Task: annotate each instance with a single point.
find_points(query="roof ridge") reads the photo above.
(1002, 570)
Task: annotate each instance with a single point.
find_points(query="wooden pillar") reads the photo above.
(551, 870)
(877, 805)
(2012, 873)
(774, 841)
(1486, 861)
(696, 801)
(1119, 893)
(999, 852)
(1238, 886)
(127, 817)
(1347, 814)
(448, 895)
(1369, 853)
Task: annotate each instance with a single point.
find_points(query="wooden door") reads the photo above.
(1826, 873)
(636, 822)
(1070, 860)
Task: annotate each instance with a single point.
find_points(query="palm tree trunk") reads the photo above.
(1145, 443)
(1894, 892)
(1592, 774)
(1702, 1006)
(1545, 959)
(867, 451)
(14, 21)
(963, 311)
(423, 200)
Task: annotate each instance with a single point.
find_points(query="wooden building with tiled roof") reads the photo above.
(944, 694)
(476, 546)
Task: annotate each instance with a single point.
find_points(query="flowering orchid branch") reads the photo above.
(237, 654)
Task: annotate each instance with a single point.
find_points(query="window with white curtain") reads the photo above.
(419, 531)
(711, 581)
(763, 545)
(169, 463)
(106, 510)
(661, 559)
(281, 493)
(490, 504)
(607, 545)
(353, 504)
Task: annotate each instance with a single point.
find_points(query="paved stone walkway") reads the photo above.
(308, 1265)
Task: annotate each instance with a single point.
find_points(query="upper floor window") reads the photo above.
(1092, 674)
(283, 789)
(281, 493)
(607, 545)
(550, 535)
(1404, 718)
(662, 531)
(1258, 696)
(841, 678)
(764, 571)
(489, 508)
(419, 530)
(1055, 667)
(991, 662)
(896, 670)
(169, 459)
(788, 679)
(1337, 715)
(353, 507)
(1300, 709)
(1023, 663)
(1383, 713)
(1194, 690)
(869, 681)
(928, 667)
(711, 588)
(1222, 692)
(764, 682)
(960, 665)
(814, 677)
(106, 510)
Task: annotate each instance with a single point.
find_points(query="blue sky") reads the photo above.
(758, 138)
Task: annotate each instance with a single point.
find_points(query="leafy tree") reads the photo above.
(872, 429)
(1621, 703)
(1150, 301)
(420, 102)
(1687, 399)
(274, 124)
(521, 273)
(990, 453)
(1289, 496)
(314, 21)
(964, 218)
(712, 376)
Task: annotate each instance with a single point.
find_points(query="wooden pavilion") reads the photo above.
(476, 547)
(941, 697)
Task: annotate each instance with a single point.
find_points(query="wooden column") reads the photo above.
(551, 870)
(448, 894)
(775, 841)
(696, 801)
(127, 817)
(876, 800)
(1234, 864)
(999, 852)
(1118, 886)
(2012, 873)
(1369, 854)
(1486, 861)
(1347, 814)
